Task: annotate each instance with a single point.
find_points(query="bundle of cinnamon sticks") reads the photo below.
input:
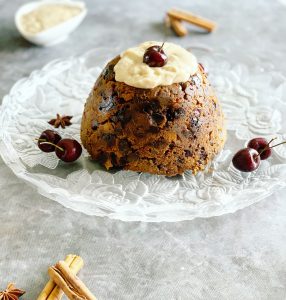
(63, 280)
(175, 19)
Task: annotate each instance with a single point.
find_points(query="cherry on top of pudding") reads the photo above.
(132, 70)
(155, 56)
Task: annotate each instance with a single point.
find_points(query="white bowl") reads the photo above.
(53, 35)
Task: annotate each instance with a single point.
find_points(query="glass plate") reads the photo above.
(253, 101)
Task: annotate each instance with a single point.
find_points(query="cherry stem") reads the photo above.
(49, 143)
(267, 147)
(161, 47)
(278, 144)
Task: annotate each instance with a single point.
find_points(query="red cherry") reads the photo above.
(48, 139)
(262, 146)
(68, 150)
(246, 160)
(155, 56)
(156, 48)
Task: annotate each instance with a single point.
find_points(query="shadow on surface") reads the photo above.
(11, 40)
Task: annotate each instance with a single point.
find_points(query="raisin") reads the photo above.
(203, 154)
(184, 85)
(151, 107)
(147, 108)
(113, 159)
(172, 146)
(188, 153)
(158, 118)
(154, 129)
(124, 115)
(121, 100)
(102, 158)
(169, 114)
(124, 145)
(109, 139)
(122, 161)
(173, 114)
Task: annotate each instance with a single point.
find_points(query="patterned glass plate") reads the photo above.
(253, 100)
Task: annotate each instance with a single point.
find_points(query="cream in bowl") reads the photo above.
(47, 23)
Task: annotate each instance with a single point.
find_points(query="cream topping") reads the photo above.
(131, 70)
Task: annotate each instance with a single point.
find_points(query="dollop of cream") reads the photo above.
(131, 69)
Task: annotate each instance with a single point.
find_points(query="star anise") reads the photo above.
(11, 293)
(62, 121)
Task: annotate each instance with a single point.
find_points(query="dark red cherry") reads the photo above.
(155, 56)
(156, 48)
(246, 160)
(47, 138)
(68, 150)
(261, 145)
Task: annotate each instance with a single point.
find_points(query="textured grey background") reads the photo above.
(239, 256)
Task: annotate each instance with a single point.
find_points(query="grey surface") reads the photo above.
(239, 256)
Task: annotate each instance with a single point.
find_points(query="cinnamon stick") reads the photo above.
(178, 27)
(75, 266)
(193, 19)
(51, 291)
(72, 286)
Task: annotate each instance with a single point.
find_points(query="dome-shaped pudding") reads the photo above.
(165, 129)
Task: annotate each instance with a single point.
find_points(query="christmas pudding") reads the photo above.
(153, 110)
